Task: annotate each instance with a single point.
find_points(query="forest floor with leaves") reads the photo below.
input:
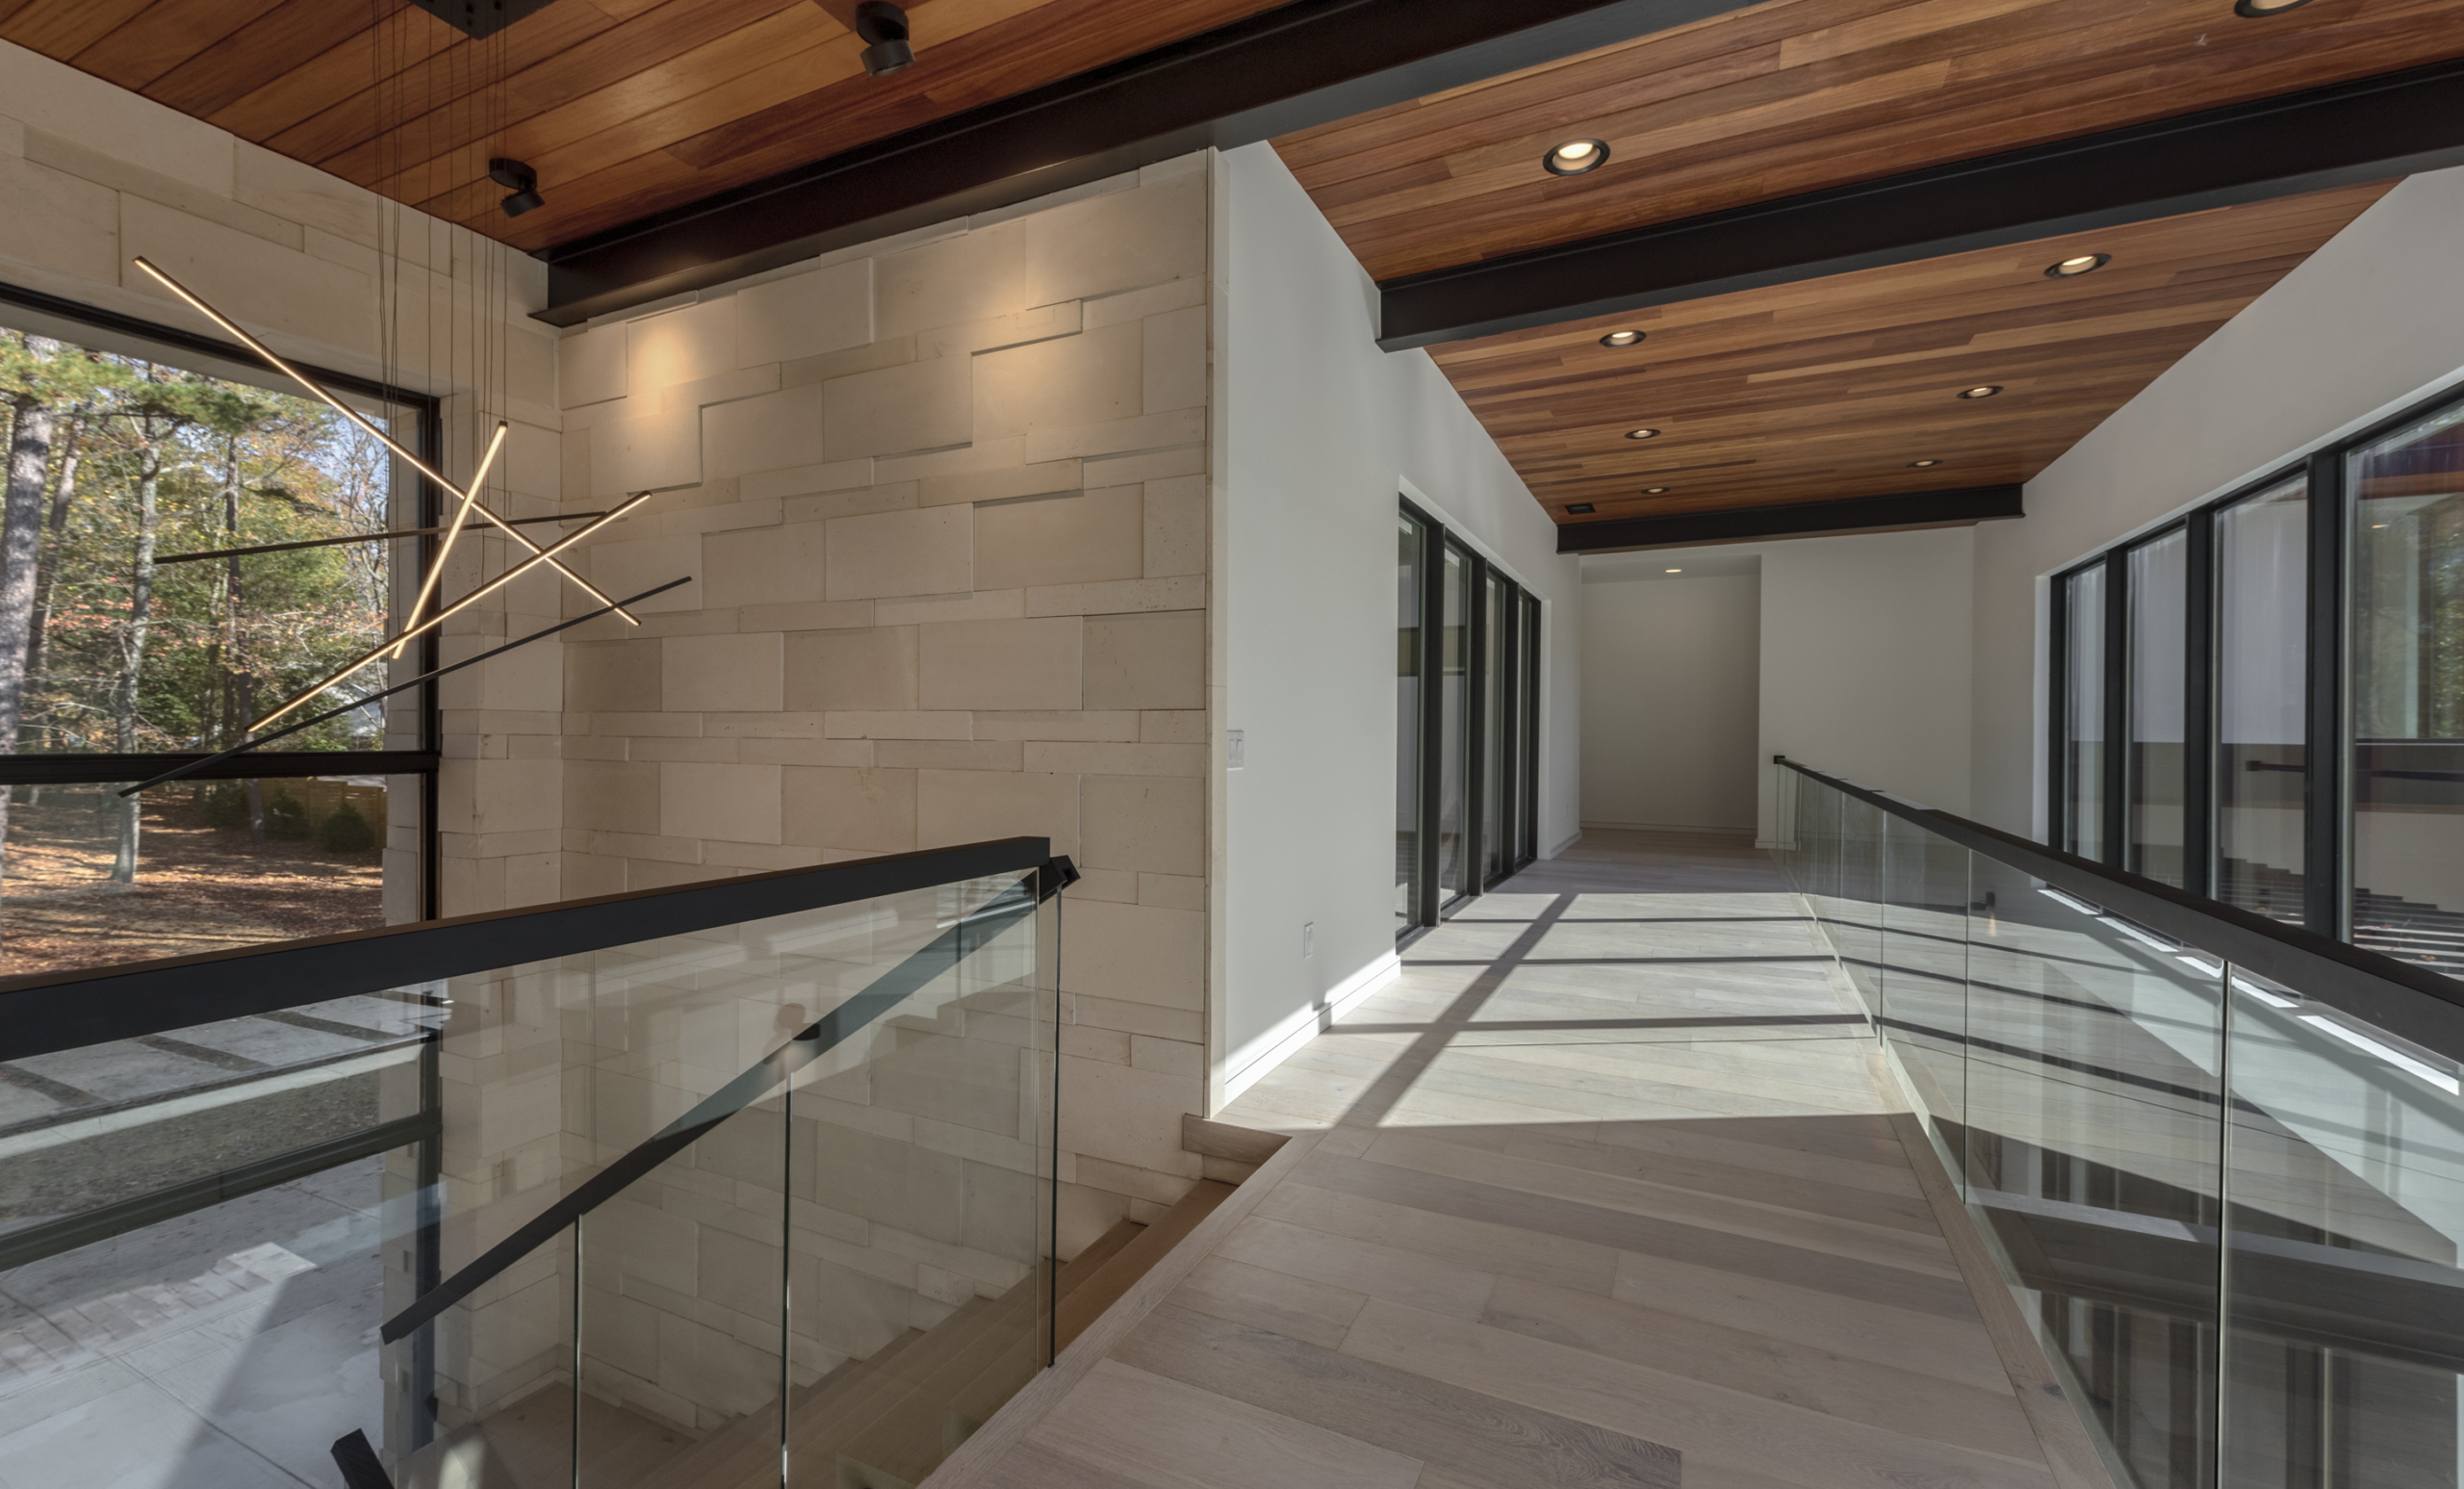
(199, 888)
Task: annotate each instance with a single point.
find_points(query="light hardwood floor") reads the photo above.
(1603, 1192)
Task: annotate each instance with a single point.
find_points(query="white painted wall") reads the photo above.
(1321, 430)
(2369, 323)
(1865, 666)
(1671, 694)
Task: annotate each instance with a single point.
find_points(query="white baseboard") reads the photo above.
(1278, 1044)
(1572, 839)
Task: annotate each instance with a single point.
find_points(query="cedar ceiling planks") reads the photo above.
(625, 107)
(1828, 387)
(1796, 96)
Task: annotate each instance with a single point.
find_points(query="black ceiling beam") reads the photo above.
(2393, 125)
(1293, 67)
(1794, 520)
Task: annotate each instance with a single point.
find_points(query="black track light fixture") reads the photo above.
(887, 40)
(521, 180)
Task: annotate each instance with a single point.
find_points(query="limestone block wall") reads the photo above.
(943, 500)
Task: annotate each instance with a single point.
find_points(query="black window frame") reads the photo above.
(2327, 742)
(1520, 652)
(426, 413)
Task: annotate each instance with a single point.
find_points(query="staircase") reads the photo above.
(2406, 930)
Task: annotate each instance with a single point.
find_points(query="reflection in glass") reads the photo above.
(1526, 753)
(1411, 543)
(2346, 1337)
(1499, 693)
(2262, 560)
(2407, 693)
(2159, 608)
(2083, 765)
(93, 877)
(1453, 756)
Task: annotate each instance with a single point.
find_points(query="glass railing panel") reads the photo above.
(920, 1247)
(1855, 912)
(227, 1344)
(1925, 976)
(2093, 1148)
(2345, 1316)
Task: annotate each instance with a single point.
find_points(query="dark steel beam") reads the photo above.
(2371, 130)
(1794, 520)
(1293, 67)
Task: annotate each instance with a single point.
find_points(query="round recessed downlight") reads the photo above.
(2078, 264)
(1642, 434)
(1922, 465)
(1981, 391)
(2259, 8)
(1621, 338)
(1654, 491)
(1575, 157)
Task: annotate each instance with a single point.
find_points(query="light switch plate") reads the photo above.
(1233, 749)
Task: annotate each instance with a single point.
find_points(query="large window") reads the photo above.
(173, 574)
(2288, 669)
(1467, 723)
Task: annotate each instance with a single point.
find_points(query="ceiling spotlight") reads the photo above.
(1642, 434)
(2082, 264)
(2257, 7)
(1653, 491)
(1981, 391)
(1922, 465)
(1575, 157)
(521, 180)
(1621, 338)
(883, 30)
(1579, 508)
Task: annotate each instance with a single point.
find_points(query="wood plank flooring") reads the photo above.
(1603, 1192)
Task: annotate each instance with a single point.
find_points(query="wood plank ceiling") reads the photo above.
(623, 107)
(1828, 389)
(1831, 388)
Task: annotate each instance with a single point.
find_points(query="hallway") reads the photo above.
(1600, 1188)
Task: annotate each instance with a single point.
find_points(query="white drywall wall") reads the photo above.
(1671, 669)
(1322, 432)
(2369, 322)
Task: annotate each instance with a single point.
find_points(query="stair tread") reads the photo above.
(1115, 1278)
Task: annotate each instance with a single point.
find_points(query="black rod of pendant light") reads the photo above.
(361, 537)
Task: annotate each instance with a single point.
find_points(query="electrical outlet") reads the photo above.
(1309, 939)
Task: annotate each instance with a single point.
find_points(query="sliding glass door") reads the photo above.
(1466, 722)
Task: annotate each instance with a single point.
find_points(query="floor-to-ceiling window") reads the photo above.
(1466, 722)
(2158, 615)
(2262, 552)
(2291, 689)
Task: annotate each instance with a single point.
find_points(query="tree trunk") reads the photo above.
(132, 646)
(20, 544)
(63, 490)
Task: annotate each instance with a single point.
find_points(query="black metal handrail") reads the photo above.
(944, 953)
(72, 1010)
(2410, 1001)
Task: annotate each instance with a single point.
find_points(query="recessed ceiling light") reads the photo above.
(1642, 434)
(1653, 491)
(1672, 571)
(2076, 265)
(1922, 465)
(1575, 157)
(1981, 391)
(1621, 338)
(1578, 508)
(2257, 7)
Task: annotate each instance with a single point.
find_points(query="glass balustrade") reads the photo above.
(2228, 1206)
(736, 1198)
